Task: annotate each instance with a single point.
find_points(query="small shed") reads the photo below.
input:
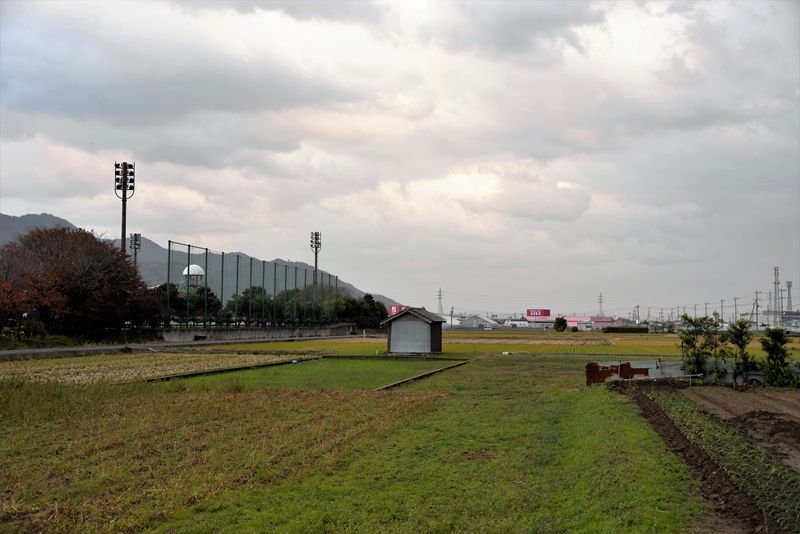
(415, 330)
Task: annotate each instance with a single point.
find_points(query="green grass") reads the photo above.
(514, 446)
(321, 374)
(503, 444)
(472, 344)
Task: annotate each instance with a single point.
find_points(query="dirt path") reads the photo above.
(771, 418)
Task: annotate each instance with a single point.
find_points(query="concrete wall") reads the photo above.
(269, 332)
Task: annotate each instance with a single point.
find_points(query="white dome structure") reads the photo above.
(193, 274)
(194, 270)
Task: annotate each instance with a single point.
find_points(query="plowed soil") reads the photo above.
(734, 510)
(769, 417)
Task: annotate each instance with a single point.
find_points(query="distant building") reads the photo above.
(516, 323)
(414, 330)
(193, 276)
(476, 321)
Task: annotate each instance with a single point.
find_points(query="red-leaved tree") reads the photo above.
(74, 282)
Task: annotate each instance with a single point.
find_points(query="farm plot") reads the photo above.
(125, 367)
(743, 478)
(769, 417)
(322, 374)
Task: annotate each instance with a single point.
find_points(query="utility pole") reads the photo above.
(789, 295)
(440, 302)
(735, 309)
(695, 311)
(124, 182)
(778, 301)
(706, 312)
(451, 317)
(722, 310)
(600, 302)
(755, 305)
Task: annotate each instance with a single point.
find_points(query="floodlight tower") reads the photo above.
(316, 246)
(135, 245)
(124, 182)
(789, 295)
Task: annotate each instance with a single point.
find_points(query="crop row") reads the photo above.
(774, 486)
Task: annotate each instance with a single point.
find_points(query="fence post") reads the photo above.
(205, 292)
(169, 265)
(250, 298)
(188, 277)
(263, 286)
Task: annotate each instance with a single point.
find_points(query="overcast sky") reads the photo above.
(517, 155)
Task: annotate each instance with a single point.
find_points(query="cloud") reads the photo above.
(500, 146)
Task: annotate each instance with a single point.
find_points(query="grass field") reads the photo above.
(474, 343)
(318, 374)
(506, 443)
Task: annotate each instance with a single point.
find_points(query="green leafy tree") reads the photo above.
(739, 335)
(776, 369)
(560, 324)
(700, 340)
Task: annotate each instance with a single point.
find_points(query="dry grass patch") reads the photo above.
(125, 367)
(124, 457)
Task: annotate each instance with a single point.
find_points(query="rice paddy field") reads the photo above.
(505, 443)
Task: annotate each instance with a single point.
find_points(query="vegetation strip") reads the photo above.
(419, 377)
(741, 479)
(226, 370)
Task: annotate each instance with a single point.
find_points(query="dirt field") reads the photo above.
(771, 418)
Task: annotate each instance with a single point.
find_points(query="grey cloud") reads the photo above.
(350, 10)
(52, 68)
(502, 28)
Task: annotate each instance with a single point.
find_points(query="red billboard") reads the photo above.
(394, 310)
(537, 313)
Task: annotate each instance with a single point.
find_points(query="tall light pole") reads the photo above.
(316, 246)
(124, 181)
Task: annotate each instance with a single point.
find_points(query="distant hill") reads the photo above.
(152, 262)
(12, 227)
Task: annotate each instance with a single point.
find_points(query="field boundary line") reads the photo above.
(393, 358)
(419, 377)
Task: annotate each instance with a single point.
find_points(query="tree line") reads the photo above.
(70, 282)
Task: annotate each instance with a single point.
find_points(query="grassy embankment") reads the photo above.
(503, 444)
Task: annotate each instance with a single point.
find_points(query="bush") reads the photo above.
(776, 369)
(625, 329)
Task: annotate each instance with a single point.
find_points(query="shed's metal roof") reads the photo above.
(421, 313)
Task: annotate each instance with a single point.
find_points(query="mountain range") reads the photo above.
(152, 263)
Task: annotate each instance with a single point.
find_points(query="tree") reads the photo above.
(560, 325)
(75, 283)
(366, 312)
(739, 335)
(700, 340)
(776, 369)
